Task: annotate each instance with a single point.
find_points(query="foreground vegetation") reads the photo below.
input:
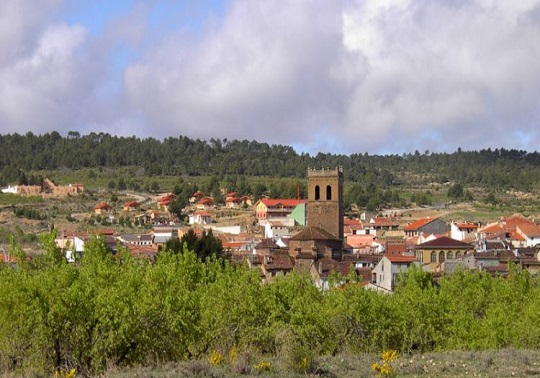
(108, 311)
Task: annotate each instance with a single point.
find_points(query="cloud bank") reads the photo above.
(345, 76)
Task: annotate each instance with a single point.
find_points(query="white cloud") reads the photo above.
(37, 90)
(341, 76)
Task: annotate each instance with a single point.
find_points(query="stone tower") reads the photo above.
(325, 200)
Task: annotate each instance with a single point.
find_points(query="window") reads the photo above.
(441, 256)
(433, 257)
(458, 255)
(317, 193)
(449, 255)
(328, 192)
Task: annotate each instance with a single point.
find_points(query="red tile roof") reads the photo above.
(383, 221)
(205, 201)
(466, 226)
(418, 224)
(492, 229)
(102, 206)
(400, 258)
(530, 230)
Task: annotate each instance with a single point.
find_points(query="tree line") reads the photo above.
(177, 156)
(118, 311)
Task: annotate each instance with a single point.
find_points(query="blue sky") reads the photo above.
(344, 76)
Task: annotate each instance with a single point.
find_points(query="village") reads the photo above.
(312, 235)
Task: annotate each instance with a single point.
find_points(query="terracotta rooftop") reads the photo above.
(466, 226)
(418, 224)
(531, 230)
(400, 258)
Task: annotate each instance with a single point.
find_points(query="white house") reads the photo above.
(463, 230)
(530, 232)
(275, 230)
(200, 217)
(385, 273)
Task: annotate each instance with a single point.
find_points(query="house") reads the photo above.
(433, 253)
(427, 225)
(274, 209)
(164, 201)
(463, 231)
(131, 206)
(196, 196)
(322, 270)
(162, 234)
(385, 273)
(136, 239)
(352, 227)
(515, 229)
(148, 252)
(205, 203)
(103, 208)
(266, 247)
(363, 244)
(80, 241)
(378, 226)
(200, 217)
(231, 200)
(493, 262)
(276, 229)
(278, 263)
(530, 232)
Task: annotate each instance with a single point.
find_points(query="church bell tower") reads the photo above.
(325, 200)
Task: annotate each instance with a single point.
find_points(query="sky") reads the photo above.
(340, 76)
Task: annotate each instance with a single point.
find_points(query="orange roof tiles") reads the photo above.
(419, 223)
(400, 258)
(466, 226)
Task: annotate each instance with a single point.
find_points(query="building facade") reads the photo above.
(325, 200)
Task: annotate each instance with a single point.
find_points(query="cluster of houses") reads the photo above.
(313, 236)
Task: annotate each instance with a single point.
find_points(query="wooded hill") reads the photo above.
(175, 156)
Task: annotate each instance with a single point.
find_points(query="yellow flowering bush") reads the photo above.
(385, 368)
(262, 366)
(65, 374)
(216, 358)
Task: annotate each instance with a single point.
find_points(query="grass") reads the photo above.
(501, 363)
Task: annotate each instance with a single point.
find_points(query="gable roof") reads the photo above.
(102, 206)
(444, 242)
(466, 226)
(267, 243)
(419, 224)
(383, 222)
(313, 233)
(400, 258)
(530, 230)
